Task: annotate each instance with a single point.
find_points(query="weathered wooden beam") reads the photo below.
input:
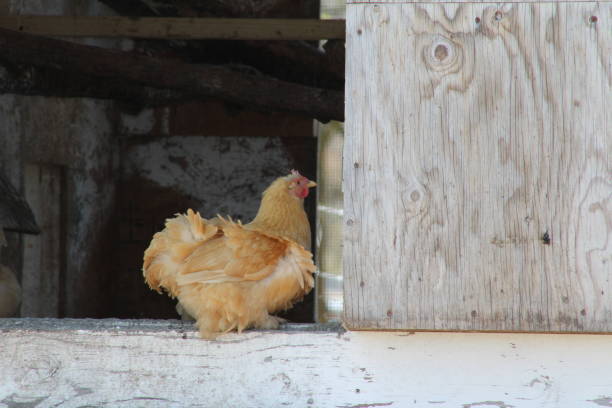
(176, 27)
(30, 80)
(293, 61)
(257, 92)
(126, 363)
(219, 8)
(308, 63)
(15, 213)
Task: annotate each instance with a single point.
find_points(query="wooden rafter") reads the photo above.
(217, 8)
(255, 91)
(43, 81)
(294, 61)
(177, 28)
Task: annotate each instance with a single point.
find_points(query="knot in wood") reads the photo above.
(443, 54)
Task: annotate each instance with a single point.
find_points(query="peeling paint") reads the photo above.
(225, 174)
(75, 134)
(602, 401)
(499, 404)
(14, 401)
(372, 404)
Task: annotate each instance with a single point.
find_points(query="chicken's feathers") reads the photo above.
(170, 247)
(238, 254)
(191, 249)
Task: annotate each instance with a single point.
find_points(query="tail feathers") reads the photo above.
(170, 247)
(303, 259)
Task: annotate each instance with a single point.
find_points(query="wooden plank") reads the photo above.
(500, 2)
(477, 167)
(15, 213)
(177, 27)
(164, 364)
(43, 257)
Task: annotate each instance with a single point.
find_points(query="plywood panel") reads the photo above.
(478, 167)
(113, 363)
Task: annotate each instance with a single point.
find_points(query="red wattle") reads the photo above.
(303, 193)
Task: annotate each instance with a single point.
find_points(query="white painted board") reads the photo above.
(478, 167)
(112, 363)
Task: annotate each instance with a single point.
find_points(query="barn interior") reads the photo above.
(102, 139)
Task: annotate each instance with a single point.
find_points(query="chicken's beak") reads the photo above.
(311, 184)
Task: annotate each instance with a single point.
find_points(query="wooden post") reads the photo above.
(478, 166)
(43, 258)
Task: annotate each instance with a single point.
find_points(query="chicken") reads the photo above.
(10, 291)
(233, 276)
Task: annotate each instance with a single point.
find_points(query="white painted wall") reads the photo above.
(226, 175)
(76, 363)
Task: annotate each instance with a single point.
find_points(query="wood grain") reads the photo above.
(177, 28)
(43, 259)
(478, 167)
(117, 363)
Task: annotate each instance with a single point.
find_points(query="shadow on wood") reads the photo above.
(15, 213)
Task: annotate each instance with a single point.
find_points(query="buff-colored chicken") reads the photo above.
(231, 276)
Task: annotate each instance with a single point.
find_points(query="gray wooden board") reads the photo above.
(478, 167)
(69, 363)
